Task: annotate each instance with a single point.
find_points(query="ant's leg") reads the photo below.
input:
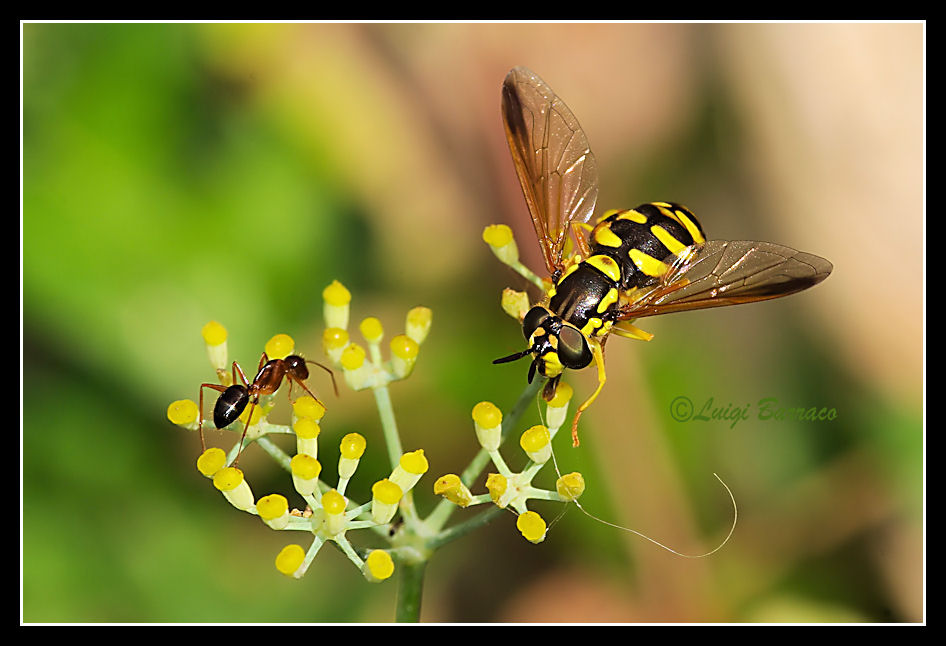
(289, 392)
(249, 418)
(200, 411)
(236, 367)
(305, 388)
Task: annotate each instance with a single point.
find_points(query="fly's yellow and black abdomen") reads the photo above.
(650, 260)
(641, 240)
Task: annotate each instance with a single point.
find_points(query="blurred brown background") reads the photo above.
(174, 174)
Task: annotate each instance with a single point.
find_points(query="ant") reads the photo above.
(269, 377)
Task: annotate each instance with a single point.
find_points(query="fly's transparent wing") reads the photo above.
(553, 160)
(727, 272)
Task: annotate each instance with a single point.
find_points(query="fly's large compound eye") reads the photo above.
(533, 319)
(573, 350)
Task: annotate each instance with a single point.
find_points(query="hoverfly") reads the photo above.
(651, 260)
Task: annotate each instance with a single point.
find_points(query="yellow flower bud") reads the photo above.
(307, 406)
(211, 461)
(334, 505)
(385, 496)
(563, 394)
(515, 303)
(337, 300)
(487, 421)
(486, 414)
(356, 368)
(372, 330)
(235, 489)
(536, 442)
(409, 470)
(334, 341)
(305, 473)
(378, 566)
(183, 412)
(290, 559)
(305, 466)
(353, 357)
(496, 484)
(386, 492)
(403, 355)
(497, 235)
(227, 479)
(214, 333)
(215, 339)
(500, 240)
(570, 486)
(280, 346)
(452, 488)
(557, 410)
(531, 526)
(352, 448)
(336, 294)
(307, 433)
(418, 323)
(415, 462)
(274, 510)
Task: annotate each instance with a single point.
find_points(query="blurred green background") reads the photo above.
(174, 174)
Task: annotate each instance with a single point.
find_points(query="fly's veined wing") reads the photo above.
(723, 272)
(555, 165)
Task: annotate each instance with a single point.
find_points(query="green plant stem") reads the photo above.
(410, 590)
(467, 526)
(280, 456)
(527, 273)
(525, 400)
(392, 439)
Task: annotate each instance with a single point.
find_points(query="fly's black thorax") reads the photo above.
(587, 295)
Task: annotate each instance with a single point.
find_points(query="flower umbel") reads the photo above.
(327, 514)
(512, 490)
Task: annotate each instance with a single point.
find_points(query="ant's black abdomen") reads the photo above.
(229, 405)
